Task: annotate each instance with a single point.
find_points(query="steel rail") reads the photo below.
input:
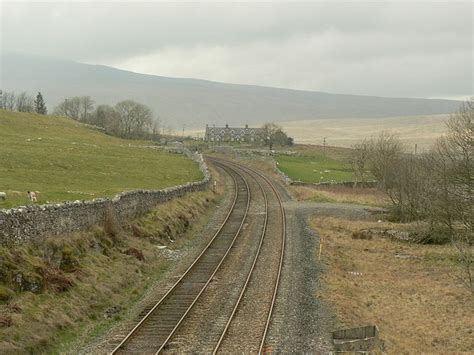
(249, 275)
(215, 271)
(280, 265)
(282, 253)
(175, 285)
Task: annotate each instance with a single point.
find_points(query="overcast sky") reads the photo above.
(403, 48)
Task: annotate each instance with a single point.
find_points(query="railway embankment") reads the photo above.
(56, 292)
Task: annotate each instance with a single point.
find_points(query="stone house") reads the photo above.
(232, 134)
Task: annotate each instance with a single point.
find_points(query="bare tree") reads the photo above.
(143, 118)
(69, 108)
(402, 176)
(9, 101)
(360, 156)
(273, 134)
(125, 113)
(155, 128)
(2, 100)
(409, 186)
(135, 118)
(386, 151)
(86, 108)
(25, 103)
(452, 195)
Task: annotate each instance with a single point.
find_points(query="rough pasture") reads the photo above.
(64, 160)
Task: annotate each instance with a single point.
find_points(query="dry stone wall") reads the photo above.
(27, 223)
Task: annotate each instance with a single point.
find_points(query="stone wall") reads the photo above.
(26, 223)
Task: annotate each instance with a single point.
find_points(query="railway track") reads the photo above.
(159, 325)
(253, 323)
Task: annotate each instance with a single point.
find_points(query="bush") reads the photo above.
(5, 294)
(436, 187)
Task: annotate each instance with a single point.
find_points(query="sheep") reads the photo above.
(3, 196)
(32, 196)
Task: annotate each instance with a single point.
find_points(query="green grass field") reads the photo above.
(64, 160)
(315, 164)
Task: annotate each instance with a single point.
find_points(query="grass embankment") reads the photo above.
(410, 291)
(64, 160)
(55, 290)
(316, 164)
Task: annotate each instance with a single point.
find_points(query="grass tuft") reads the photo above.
(6, 294)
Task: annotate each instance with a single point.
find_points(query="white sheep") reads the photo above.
(3, 196)
(32, 195)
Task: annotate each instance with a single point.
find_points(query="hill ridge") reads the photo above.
(195, 102)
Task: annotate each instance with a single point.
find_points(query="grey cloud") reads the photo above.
(391, 48)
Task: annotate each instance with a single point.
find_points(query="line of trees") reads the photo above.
(128, 118)
(436, 188)
(22, 102)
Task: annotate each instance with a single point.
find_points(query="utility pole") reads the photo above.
(324, 145)
(416, 148)
(183, 132)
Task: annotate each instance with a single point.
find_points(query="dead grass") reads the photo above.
(80, 276)
(341, 194)
(344, 132)
(410, 291)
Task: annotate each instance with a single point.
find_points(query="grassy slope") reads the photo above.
(63, 160)
(315, 164)
(85, 274)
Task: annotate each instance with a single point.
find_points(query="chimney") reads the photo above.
(246, 126)
(226, 125)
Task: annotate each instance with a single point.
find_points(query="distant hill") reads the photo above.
(196, 102)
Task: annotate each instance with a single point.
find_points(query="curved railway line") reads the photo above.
(262, 325)
(156, 329)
